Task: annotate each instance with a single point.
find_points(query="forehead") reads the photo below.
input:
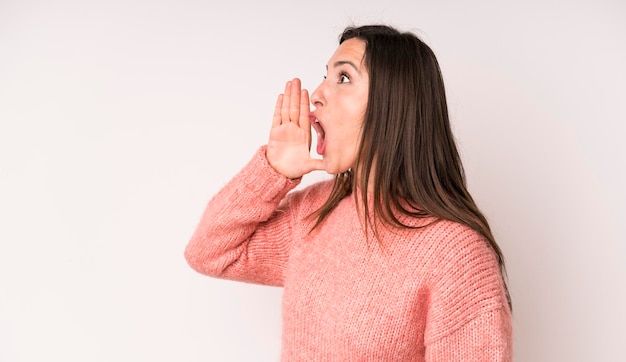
(352, 50)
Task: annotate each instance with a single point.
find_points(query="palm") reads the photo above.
(290, 137)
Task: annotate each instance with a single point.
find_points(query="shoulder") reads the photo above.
(457, 246)
(445, 246)
(444, 253)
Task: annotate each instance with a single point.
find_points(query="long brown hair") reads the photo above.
(406, 145)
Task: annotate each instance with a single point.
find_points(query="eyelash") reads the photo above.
(341, 76)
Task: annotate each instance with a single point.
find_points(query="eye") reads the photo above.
(344, 78)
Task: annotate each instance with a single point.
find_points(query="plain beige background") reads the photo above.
(120, 119)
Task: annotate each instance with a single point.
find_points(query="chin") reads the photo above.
(336, 170)
(331, 169)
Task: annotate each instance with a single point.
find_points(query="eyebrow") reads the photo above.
(342, 62)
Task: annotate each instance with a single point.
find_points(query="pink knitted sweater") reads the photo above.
(430, 294)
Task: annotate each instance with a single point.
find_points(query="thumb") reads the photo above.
(315, 164)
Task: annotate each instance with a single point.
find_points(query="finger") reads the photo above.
(305, 111)
(294, 104)
(276, 120)
(284, 113)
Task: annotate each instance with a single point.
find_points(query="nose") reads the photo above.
(317, 97)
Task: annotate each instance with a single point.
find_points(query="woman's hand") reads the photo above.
(288, 150)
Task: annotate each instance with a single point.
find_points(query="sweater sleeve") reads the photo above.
(485, 338)
(468, 315)
(244, 234)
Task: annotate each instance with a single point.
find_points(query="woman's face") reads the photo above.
(340, 103)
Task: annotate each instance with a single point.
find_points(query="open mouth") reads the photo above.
(321, 135)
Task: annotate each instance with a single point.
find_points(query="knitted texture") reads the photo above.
(428, 294)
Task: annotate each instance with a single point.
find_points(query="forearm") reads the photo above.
(242, 234)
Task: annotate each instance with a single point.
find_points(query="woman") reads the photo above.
(390, 261)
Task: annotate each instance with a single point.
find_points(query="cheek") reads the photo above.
(357, 110)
